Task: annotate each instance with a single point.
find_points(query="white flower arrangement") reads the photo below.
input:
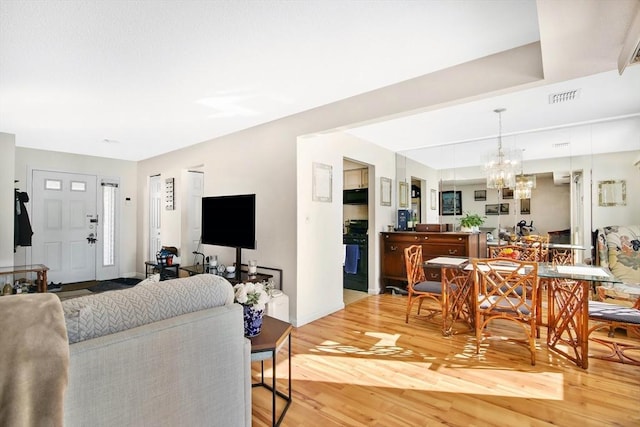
(256, 295)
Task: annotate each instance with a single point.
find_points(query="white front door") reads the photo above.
(195, 190)
(65, 225)
(155, 210)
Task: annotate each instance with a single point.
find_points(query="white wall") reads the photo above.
(320, 251)
(259, 161)
(7, 200)
(27, 159)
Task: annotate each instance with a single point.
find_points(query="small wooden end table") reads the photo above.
(265, 346)
(39, 269)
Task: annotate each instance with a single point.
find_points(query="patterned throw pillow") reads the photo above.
(623, 246)
(114, 311)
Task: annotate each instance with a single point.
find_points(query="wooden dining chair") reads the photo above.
(506, 289)
(540, 242)
(515, 252)
(418, 287)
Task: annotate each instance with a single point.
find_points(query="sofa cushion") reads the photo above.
(114, 311)
(79, 321)
(619, 250)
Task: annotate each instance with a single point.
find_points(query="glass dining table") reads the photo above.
(568, 291)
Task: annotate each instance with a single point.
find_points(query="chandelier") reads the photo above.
(501, 170)
(524, 185)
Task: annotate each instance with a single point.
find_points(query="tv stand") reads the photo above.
(244, 276)
(238, 263)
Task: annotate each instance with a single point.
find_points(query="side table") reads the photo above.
(39, 269)
(265, 346)
(166, 271)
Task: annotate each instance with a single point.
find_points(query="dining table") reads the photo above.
(568, 292)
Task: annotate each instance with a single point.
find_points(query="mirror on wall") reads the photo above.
(567, 163)
(612, 193)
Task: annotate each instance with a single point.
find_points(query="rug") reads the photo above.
(73, 294)
(115, 284)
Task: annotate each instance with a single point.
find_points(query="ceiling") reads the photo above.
(135, 79)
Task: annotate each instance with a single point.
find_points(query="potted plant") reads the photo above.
(471, 222)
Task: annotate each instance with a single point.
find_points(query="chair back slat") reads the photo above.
(414, 265)
(506, 289)
(516, 252)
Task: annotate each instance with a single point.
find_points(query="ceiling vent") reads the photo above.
(560, 145)
(570, 95)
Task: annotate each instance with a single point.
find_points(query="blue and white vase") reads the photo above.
(252, 321)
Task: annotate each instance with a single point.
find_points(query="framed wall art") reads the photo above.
(403, 194)
(507, 193)
(322, 183)
(525, 206)
(451, 203)
(504, 208)
(492, 209)
(480, 195)
(385, 191)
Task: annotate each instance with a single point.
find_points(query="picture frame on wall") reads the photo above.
(491, 209)
(496, 209)
(322, 183)
(385, 191)
(403, 194)
(525, 207)
(451, 202)
(480, 195)
(507, 193)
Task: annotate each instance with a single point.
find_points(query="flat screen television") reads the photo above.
(229, 221)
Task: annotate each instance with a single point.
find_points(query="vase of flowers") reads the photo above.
(253, 297)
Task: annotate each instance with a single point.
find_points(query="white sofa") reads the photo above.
(160, 354)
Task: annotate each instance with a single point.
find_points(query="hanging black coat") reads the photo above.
(22, 226)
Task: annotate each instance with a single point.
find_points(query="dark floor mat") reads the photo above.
(115, 284)
(130, 281)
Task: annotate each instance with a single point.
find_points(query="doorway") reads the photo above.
(355, 215)
(155, 211)
(65, 225)
(193, 209)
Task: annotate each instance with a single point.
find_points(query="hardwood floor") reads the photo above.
(363, 366)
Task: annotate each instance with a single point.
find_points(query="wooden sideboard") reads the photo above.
(434, 244)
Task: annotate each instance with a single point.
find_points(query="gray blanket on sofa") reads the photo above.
(35, 360)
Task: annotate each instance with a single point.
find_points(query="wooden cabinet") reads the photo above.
(434, 244)
(356, 178)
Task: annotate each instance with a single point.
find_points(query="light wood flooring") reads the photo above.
(363, 366)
